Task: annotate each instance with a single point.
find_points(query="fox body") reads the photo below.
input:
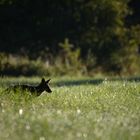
(34, 90)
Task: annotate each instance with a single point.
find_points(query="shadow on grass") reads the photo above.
(78, 82)
(93, 81)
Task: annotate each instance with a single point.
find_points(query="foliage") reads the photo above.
(126, 59)
(92, 109)
(69, 57)
(101, 27)
(17, 65)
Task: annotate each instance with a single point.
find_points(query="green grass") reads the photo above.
(78, 109)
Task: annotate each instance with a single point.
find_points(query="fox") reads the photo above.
(34, 90)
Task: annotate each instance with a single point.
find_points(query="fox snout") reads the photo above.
(48, 89)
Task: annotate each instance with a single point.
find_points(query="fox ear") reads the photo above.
(48, 81)
(43, 80)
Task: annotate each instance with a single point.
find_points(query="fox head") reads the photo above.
(44, 85)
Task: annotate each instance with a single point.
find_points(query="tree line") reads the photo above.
(106, 32)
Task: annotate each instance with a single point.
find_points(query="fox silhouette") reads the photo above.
(34, 90)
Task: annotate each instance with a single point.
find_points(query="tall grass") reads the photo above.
(81, 109)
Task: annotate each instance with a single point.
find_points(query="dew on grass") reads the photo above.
(124, 84)
(79, 134)
(42, 138)
(84, 135)
(1, 104)
(78, 111)
(105, 81)
(27, 127)
(91, 92)
(2, 110)
(20, 112)
(59, 112)
(75, 97)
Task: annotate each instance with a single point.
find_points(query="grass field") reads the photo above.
(77, 109)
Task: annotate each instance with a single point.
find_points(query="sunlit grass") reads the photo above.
(77, 109)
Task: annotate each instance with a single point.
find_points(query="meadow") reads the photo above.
(77, 109)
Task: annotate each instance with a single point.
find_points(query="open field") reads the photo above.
(77, 109)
